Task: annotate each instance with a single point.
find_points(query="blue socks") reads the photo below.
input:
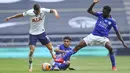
(68, 55)
(113, 60)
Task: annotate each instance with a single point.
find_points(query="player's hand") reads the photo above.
(95, 1)
(57, 16)
(125, 45)
(7, 19)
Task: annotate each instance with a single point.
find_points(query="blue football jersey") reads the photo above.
(103, 25)
(62, 47)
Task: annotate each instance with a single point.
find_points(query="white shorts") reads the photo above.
(95, 40)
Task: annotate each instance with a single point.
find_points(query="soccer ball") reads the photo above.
(46, 66)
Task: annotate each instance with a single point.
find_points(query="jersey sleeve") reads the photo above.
(26, 13)
(57, 47)
(114, 25)
(46, 10)
(98, 14)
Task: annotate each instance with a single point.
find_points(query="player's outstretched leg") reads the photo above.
(50, 48)
(30, 57)
(111, 54)
(68, 54)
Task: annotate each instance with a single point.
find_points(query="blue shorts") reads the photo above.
(61, 66)
(41, 37)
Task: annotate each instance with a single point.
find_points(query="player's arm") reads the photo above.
(14, 16)
(55, 13)
(118, 34)
(120, 38)
(90, 9)
(57, 49)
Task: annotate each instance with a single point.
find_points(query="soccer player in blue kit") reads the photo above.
(60, 50)
(99, 35)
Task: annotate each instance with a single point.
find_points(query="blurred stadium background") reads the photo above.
(74, 22)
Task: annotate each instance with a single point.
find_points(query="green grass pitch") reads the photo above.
(84, 64)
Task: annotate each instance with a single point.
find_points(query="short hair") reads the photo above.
(36, 7)
(67, 37)
(108, 8)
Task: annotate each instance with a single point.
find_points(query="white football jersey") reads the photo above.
(36, 22)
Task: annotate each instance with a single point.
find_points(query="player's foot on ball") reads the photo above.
(114, 68)
(60, 60)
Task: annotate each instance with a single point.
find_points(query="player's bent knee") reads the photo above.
(31, 50)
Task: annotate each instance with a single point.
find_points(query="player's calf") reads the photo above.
(30, 66)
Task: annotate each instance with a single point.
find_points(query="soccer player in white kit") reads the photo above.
(37, 30)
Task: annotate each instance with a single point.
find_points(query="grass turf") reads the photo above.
(81, 64)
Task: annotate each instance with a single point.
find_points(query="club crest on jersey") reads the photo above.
(37, 19)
